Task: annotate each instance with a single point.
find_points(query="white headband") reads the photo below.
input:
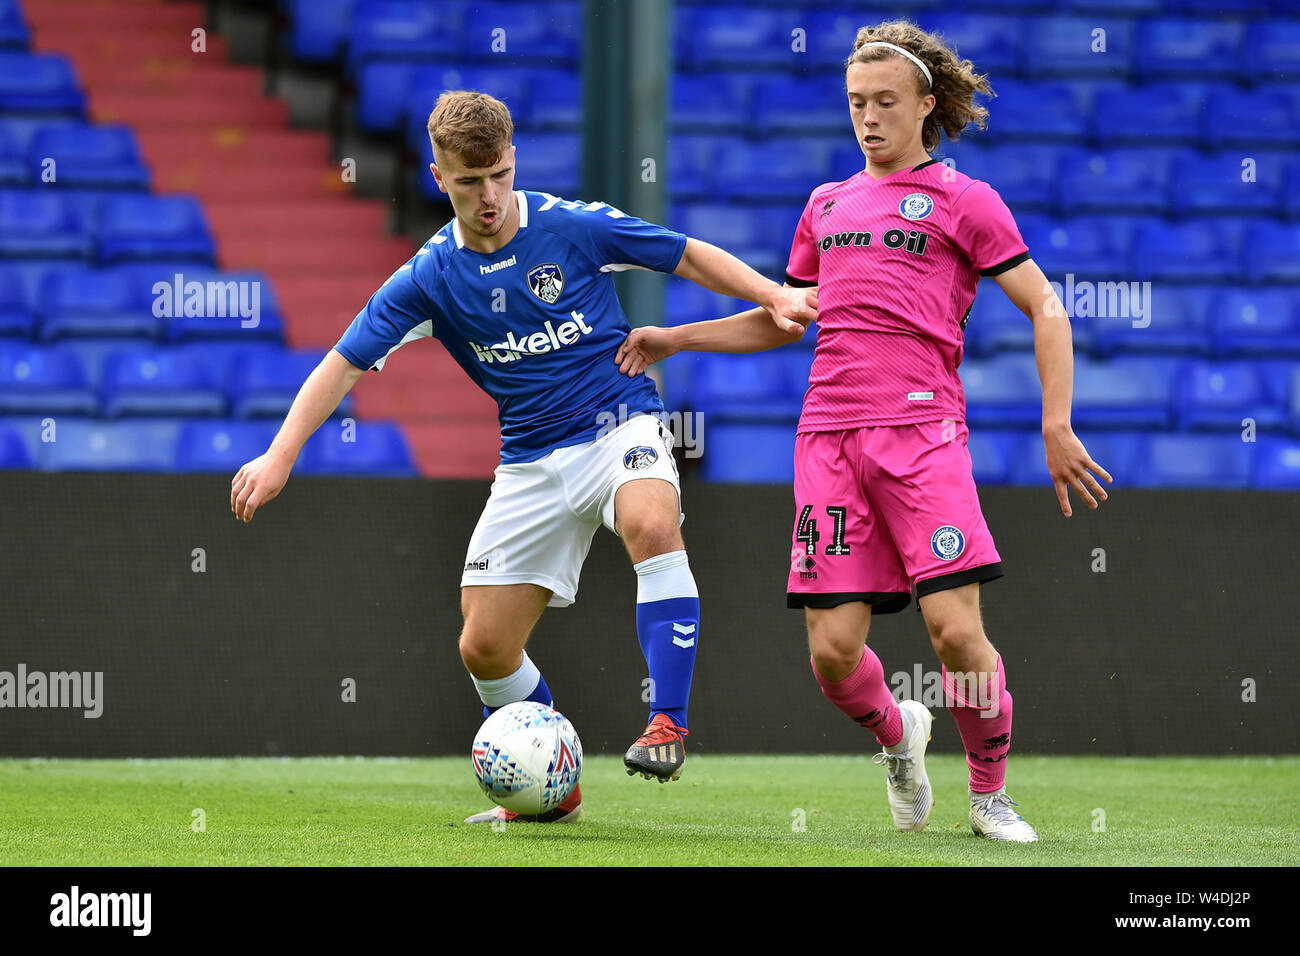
(911, 56)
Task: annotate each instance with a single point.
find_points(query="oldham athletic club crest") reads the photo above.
(546, 281)
(640, 458)
(947, 543)
(916, 206)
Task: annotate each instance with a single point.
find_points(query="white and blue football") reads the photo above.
(527, 757)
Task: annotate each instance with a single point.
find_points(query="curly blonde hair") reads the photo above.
(955, 80)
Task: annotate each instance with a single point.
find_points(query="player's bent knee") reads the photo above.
(485, 657)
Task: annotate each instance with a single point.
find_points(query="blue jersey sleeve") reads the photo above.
(399, 311)
(620, 241)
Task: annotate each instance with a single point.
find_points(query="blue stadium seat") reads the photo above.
(374, 449)
(104, 157)
(745, 170)
(1268, 117)
(996, 325)
(801, 105)
(417, 89)
(39, 83)
(1291, 190)
(207, 303)
(559, 106)
(760, 387)
(1213, 184)
(1024, 174)
(93, 353)
(16, 319)
(160, 381)
(686, 302)
(1194, 49)
(1002, 392)
(1272, 253)
(1123, 392)
(1273, 49)
(89, 445)
(1262, 322)
(265, 383)
(1117, 452)
(1196, 461)
(14, 34)
(81, 300)
(417, 32)
(993, 43)
(760, 236)
(13, 450)
(41, 381)
(154, 227)
(1194, 250)
(733, 37)
(1129, 317)
(550, 32)
(1129, 7)
(1219, 395)
(711, 102)
(384, 95)
(41, 223)
(1083, 246)
(318, 29)
(992, 453)
(1046, 111)
(1277, 464)
(735, 452)
(1064, 46)
(1153, 113)
(693, 165)
(829, 35)
(13, 159)
(1128, 179)
(222, 446)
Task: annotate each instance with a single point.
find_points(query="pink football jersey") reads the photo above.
(896, 261)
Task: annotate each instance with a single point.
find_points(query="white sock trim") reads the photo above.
(663, 577)
(506, 690)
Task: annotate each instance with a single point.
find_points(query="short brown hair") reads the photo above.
(475, 126)
(955, 79)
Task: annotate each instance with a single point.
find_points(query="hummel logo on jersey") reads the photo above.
(911, 241)
(683, 629)
(503, 264)
(538, 343)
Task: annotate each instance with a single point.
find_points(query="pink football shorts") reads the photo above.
(884, 514)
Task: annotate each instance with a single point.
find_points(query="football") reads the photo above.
(527, 757)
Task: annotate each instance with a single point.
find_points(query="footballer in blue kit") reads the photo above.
(518, 288)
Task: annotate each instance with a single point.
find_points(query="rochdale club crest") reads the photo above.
(916, 206)
(546, 281)
(947, 543)
(640, 458)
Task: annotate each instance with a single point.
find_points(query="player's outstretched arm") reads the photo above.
(716, 269)
(751, 331)
(1068, 461)
(261, 479)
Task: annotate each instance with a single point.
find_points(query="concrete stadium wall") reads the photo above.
(218, 638)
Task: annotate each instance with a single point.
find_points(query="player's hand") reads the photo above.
(792, 309)
(258, 482)
(642, 348)
(1069, 465)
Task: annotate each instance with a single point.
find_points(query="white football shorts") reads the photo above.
(540, 518)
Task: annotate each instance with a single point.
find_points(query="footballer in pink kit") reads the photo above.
(886, 508)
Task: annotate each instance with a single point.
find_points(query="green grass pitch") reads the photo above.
(726, 810)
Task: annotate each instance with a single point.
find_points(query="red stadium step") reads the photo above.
(467, 450)
(313, 219)
(205, 112)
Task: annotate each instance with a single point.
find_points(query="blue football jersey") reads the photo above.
(534, 324)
